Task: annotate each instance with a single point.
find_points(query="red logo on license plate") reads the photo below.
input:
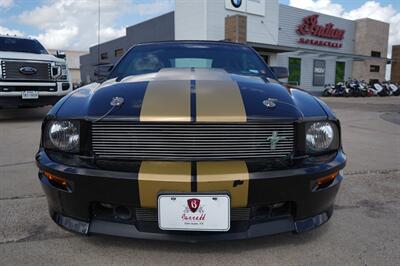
(193, 204)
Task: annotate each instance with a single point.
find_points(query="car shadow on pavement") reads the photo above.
(23, 114)
(233, 246)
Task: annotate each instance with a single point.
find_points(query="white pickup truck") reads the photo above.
(29, 75)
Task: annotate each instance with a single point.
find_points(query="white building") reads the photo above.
(318, 49)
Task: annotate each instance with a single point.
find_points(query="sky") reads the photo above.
(73, 24)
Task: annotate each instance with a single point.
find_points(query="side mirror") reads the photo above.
(280, 72)
(60, 54)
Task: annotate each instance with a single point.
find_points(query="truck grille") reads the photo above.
(191, 142)
(10, 71)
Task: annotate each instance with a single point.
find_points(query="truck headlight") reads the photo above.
(62, 71)
(62, 135)
(321, 137)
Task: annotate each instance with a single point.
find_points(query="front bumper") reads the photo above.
(11, 102)
(303, 208)
(49, 93)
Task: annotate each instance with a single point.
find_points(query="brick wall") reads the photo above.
(395, 75)
(370, 35)
(236, 28)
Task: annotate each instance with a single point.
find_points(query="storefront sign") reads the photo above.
(254, 7)
(310, 26)
(236, 3)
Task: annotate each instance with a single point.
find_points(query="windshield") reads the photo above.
(21, 45)
(150, 58)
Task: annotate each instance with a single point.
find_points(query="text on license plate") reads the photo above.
(194, 212)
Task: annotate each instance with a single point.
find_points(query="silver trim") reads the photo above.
(131, 140)
(36, 84)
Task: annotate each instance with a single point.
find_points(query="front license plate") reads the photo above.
(194, 212)
(30, 95)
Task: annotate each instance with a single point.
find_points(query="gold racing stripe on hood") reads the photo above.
(155, 177)
(166, 101)
(229, 176)
(219, 101)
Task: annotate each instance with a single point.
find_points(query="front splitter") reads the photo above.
(130, 231)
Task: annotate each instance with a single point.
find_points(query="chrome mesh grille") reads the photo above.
(190, 141)
(11, 71)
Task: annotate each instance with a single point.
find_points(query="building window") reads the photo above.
(118, 52)
(319, 73)
(374, 68)
(104, 56)
(294, 71)
(339, 74)
(375, 54)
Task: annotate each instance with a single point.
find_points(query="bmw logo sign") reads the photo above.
(236, 3)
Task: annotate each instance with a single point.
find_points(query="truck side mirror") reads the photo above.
(280, 72)
(60, 54)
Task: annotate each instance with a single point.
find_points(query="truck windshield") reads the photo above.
(150, 58)
(9, 44)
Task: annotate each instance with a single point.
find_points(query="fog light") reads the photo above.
(56, 179)
(326, 180)
(65, 86)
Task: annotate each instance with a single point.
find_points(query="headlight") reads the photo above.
(62, 71)
(62, 135)
(321, 136)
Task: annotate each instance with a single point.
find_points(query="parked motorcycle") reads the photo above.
(340, 90)
(360, 88)
(394, 89)
(356, 88)
(382, 89)
(328, 90)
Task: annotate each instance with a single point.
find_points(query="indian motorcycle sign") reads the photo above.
(310, 27)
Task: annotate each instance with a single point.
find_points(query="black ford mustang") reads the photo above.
(190, 141)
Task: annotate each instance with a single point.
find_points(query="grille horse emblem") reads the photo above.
(274, 139)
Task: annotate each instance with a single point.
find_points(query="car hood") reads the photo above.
(30, 56)
(190, 95)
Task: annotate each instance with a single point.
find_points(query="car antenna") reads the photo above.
(98, 41)
(116, 102)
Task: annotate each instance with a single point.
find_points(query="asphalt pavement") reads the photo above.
(364, 229)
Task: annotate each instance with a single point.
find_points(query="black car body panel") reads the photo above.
(93, 101)
(293, 186)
